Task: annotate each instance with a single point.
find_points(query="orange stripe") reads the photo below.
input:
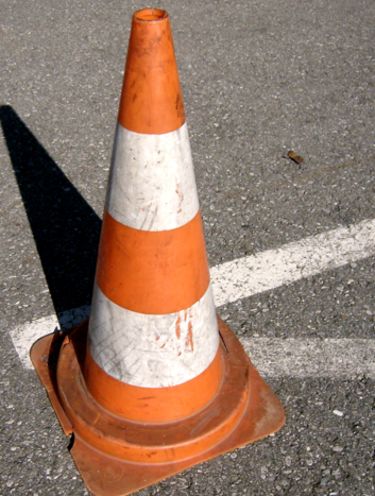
(152, 272)
(154, 404)
(151, 100)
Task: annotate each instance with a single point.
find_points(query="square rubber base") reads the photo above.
(105, 475)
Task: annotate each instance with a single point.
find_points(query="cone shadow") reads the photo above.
(65, 228)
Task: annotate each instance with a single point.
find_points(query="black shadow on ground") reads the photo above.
(65, 228)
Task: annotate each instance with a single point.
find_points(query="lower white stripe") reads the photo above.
(152, 184)
(153, 350)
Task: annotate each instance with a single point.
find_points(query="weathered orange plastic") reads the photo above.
(151, 99)
(131, 274)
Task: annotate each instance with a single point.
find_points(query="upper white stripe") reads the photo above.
(153, 350)
(152, 184)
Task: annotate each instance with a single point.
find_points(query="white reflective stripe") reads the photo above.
(152, 184)
(153, 350)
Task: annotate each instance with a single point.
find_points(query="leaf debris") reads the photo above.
(295, 157)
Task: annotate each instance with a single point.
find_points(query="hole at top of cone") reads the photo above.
(147, 15)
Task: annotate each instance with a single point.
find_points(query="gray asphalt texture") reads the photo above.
(260, 78)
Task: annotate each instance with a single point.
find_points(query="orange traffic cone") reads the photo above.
(155, 382)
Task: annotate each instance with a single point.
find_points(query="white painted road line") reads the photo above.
(25, 335)
(254, 274)
(334, 358)
(270, 269)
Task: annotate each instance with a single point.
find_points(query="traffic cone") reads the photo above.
(155, 382)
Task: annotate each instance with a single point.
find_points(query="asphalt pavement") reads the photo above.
(260, 78)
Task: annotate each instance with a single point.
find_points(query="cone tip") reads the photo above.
(151, 100)
(150, 15)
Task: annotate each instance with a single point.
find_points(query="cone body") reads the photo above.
(153, 324)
